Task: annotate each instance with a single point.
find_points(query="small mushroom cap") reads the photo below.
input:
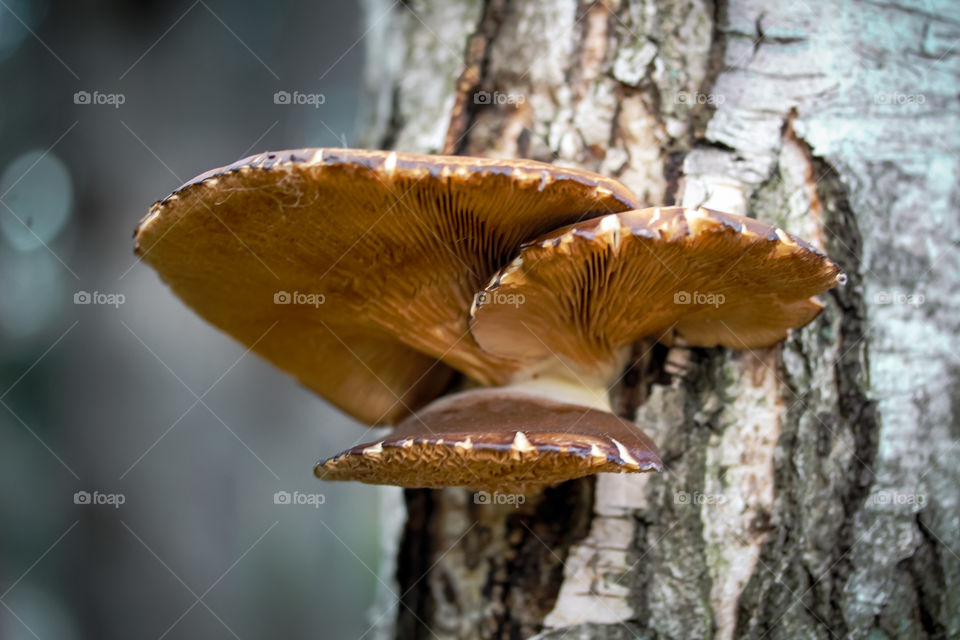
(355, 270)
(497, 439)
(712, 278)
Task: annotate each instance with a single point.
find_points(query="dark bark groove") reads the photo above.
(414, 557)
(466, 104)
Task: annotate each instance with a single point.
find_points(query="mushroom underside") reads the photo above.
(364, 260)
(711, 278)
(497, 440)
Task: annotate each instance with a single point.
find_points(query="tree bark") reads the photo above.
(810, 490)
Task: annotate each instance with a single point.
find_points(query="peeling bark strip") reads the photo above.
(811, 490)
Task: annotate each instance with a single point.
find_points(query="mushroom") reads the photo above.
(708, 277)
(568, 307)
(355, 270)
(501, 439)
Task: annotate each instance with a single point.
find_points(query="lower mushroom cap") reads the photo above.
(497, 440)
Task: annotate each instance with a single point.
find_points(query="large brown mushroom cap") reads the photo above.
(584, 291)
(355, 270)
(498, 439)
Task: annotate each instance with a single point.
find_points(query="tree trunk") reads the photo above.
(810, 491)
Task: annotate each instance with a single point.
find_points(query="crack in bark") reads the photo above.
(844, 243)
(534, 568)
(396, 122)
(926, 569)
(645, 368)
(673, 174)
(413, 557)
(715, 65)
(465, 106)
(854, 414)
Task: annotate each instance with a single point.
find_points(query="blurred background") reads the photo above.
(141, 449)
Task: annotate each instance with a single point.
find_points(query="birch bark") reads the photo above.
(812, 490)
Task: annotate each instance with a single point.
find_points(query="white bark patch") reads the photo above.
(434, 32)
(630, 67)
(536, 44)
(714, 191)
(455, 567)
(739, 484)
(804, 211)
(590, 591)
(393, 516)
(641, 137)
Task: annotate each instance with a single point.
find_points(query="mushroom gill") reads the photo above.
(355, 270)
